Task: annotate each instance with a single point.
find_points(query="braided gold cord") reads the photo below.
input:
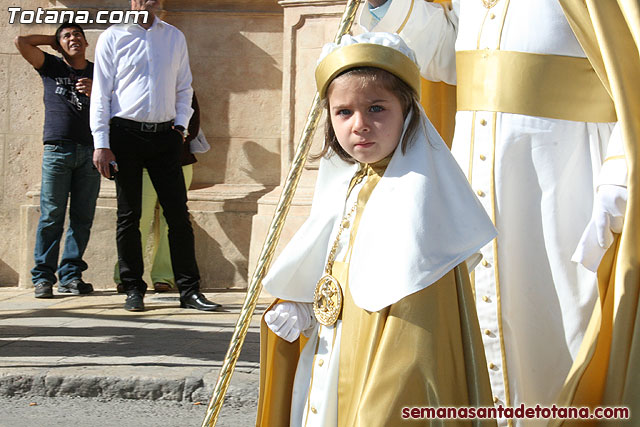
(343, 224)
(273, 235)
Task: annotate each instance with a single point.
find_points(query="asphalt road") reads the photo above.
(83, 412)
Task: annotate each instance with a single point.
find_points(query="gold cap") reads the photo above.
(366, 55)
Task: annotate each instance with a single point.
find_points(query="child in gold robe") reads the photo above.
(376, 277)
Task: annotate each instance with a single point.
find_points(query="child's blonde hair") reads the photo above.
(407, 96)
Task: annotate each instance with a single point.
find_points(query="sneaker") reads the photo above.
(134, 301)
(44, 290)
(76, 287)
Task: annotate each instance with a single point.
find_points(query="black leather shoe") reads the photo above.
(134, 301)
(199, 302)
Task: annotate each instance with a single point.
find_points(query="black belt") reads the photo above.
(142, 126)
(61, 142)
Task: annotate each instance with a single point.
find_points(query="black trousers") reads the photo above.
(159, 153)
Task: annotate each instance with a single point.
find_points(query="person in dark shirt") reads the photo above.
(67, 167)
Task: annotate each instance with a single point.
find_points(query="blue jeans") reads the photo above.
(67, 170)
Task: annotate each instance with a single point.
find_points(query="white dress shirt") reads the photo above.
(140, 75)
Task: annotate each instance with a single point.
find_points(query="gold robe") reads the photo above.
(606, 371)
(422, 351)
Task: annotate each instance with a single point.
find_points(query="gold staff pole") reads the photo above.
(266, 255)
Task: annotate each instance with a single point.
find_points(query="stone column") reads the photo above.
(308, 25)
(21, 118)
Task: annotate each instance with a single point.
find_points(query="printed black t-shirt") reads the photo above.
(66, 111)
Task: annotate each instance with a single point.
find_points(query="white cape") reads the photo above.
(421, 220)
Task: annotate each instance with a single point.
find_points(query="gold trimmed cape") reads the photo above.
(607, 368)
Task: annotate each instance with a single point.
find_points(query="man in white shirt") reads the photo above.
(141, 105)
(533, 125)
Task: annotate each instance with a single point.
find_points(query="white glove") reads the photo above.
(608, 216)
(288, 319)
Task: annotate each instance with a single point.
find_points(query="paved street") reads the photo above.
(88, 346)
(101, 412)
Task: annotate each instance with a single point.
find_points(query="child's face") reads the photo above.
(367, 120)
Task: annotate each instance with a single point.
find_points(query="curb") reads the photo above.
(242, 391)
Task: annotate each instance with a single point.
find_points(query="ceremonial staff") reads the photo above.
(273, 235)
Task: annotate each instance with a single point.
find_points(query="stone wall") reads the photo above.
(308, 25)
(252, 64)
(236, 55)
(21, 118)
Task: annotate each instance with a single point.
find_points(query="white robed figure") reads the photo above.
(536, 137)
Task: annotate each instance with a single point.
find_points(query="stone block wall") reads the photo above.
(21, 118)
(237, 63)
(252, 63)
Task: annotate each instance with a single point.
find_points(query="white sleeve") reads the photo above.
(614, 168)
(184, 91)
(103, 80)
(430, 29)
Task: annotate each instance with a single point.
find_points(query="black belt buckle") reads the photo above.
(148, 127)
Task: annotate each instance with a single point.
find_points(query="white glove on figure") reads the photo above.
(288, 319)
(608, 217)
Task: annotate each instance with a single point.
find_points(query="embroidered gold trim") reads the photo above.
(489, 3)
(620, 157)
(406, 19)
(504, 18)
(472, 147)
(496, 268)
(313, 368)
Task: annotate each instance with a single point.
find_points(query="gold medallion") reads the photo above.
(327, 300)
